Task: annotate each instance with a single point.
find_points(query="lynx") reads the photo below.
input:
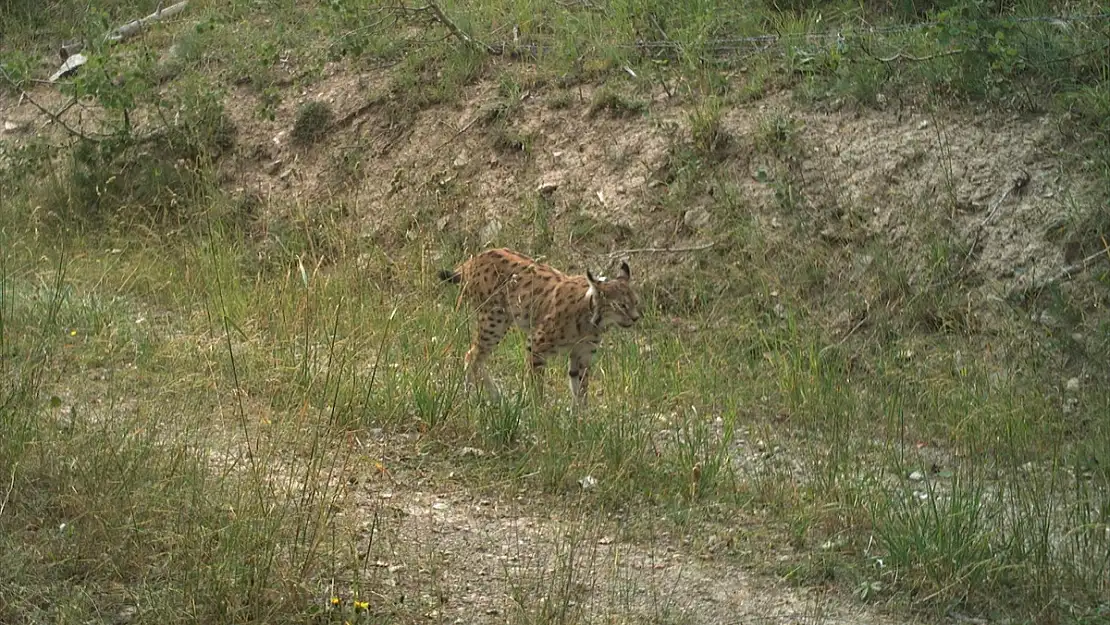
(558, 312)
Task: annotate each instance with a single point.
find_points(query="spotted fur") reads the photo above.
(558, 312)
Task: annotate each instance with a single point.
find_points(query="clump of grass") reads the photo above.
(562, 99)
(707, 132)
(611, 102)
(313, 121)
(510, 140)
(778, 133)
(162, 176)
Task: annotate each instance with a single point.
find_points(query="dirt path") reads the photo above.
(458, 558)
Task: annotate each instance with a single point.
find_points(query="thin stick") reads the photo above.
(458, 133)
(437, 13)
(910, 57)
(655, 250)
(11, 485)
(1014, 185)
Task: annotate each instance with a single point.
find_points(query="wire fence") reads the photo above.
(757, 41)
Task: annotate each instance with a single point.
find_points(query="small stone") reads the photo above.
(547, 188)
(588, 482)
(923, 125)
(696, 218)
(126, 614)
(917, 476)
(490, 231)
(1072, 385)
(1047, 319)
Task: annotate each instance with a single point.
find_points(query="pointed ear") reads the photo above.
(626, 273)
(590, 278)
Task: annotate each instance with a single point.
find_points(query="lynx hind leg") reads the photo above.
(491, 328)
(535, 362)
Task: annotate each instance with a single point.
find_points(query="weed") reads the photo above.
(509, 140)
(561, 100)
(778, 133)
(708, 135)
(312, 122)
(610, 102)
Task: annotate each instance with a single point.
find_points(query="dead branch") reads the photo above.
(437, 15)
(657, 250)
(132, 28)
(54, 117)
(128, 30)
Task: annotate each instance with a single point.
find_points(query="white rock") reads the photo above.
(547, 187)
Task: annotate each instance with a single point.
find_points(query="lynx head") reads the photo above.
(613, 301)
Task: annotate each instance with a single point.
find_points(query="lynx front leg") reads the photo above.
(579, 372)
(536, 363)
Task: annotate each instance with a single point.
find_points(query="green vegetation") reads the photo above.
(210, 395)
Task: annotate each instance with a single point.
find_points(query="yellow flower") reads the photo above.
(362, 605)
(335, 600)
(73, 332)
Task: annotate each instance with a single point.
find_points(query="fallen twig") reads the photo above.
(1069, 272)
(458, 133)
(655, 250)
(1015, 184)
(859, 324)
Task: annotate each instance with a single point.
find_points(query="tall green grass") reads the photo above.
(181, 405)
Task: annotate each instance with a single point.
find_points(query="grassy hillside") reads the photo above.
(870, 384)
